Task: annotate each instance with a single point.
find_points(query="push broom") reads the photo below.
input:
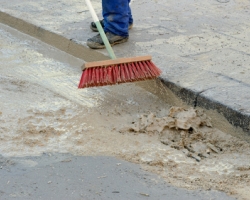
(116, 70)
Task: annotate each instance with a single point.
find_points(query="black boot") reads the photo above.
(97, 43)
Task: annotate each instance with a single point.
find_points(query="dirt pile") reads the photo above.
(196, 155)
(189, 130)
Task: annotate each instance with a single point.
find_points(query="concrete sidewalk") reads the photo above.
(203, 47)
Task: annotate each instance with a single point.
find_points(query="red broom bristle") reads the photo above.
(83, 80)
(115, 73)
(134, 69)
(153, 71)
(126, 72)
(97, 76)
(131, 72)
(87, 78)
(145, 69)
(105, 75)
(81, 83)
(110, 77)
(141, 71)
(119, 79)
(93, 78)
(150, 72)
(123, 76)
(156, 70)
(101, 76)
(118, 73)
(90, 71)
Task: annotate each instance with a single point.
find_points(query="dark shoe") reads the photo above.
(94, 28)
(97, 43)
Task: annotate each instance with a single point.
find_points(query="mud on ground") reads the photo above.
(178, 143)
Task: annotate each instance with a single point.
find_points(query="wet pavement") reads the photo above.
(39, 119)
(202, 47)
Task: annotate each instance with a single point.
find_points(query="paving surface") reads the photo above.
(63, 176)
(201, 46)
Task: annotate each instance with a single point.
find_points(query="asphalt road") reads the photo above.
(64, 176)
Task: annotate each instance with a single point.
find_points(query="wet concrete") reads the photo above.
(201, 47)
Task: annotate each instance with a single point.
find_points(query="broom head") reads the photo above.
(122, 70)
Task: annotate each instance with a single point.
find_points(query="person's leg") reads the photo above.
(116, 16)
(94, 28)
(130, 20)
(116, 22)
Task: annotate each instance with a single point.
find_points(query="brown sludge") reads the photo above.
(213, 159)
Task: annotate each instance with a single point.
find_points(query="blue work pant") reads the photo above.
(117, 16)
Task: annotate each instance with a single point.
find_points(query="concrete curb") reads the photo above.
(196, 99)
(53, 39)
(69, 46)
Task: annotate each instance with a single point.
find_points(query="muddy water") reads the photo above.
(42, 110)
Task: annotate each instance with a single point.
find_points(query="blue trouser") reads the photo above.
(117, 16)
